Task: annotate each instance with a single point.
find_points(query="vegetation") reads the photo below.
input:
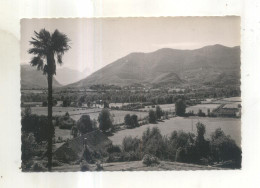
(105, 120)
(45, 47)
(181, 147)
(65, 122)
(180, 107)
(152, 116)
(85, 124)
(150, 160)
(159, 112)
(131, 121)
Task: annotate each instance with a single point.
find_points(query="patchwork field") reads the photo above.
(230, 126)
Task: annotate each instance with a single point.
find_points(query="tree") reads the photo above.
(134, 119)
(201, 144)
(85, 124)
(46, 47)
(159, 112)
(224, 148)
(127, 120)
(152, 116)
(180, 107)
(105, 120)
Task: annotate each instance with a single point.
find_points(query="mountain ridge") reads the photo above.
(180, 65)
(32, 78)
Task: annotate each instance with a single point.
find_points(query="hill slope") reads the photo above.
(169, 66)
(31, 78)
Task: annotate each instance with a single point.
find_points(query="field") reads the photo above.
(230, 126)
(203, 107)
(165, 107)
(76, 113)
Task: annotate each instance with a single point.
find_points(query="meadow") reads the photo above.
(203, 107)
(230, 126)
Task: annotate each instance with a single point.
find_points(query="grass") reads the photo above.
(230, 126)
(203, 107)
(138, 166)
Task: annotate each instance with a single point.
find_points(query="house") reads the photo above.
(73, 149)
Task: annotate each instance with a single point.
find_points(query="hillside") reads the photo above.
(170, 66)
(31, 78)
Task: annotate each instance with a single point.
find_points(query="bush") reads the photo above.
(113, 149)
(65, 122)
(131, 121)
(154, 143)
(85, 124)
(105, 120)
(150, 160)
(201, 114)
(84, 167)
(99, 167)
(152, 116)
(37, 125)
(131, 144)
(159, 112)
(28, 145)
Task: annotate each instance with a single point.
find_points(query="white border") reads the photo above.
(11, 11)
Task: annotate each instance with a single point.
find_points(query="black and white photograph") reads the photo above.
(130, 94)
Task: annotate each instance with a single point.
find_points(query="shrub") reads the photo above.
(150, 160)
(131, 144)
(84, 167)
(28, 145)
(201, 114)
(154, 143)
(113, 149)
(159, 112)
(99, 167)
(65, 122)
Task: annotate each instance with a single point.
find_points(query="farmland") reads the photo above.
(230, 126)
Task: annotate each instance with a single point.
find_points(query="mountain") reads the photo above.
(32, 78)
(67, 76)
(169, 66)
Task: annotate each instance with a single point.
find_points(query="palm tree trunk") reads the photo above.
(50, 126)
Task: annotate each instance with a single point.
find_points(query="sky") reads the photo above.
(96, 42)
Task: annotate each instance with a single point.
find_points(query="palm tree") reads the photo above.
(47, 47)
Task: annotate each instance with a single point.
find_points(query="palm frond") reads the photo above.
(37, 51)
(59, 58)
(38, 62)
(45, 69)
(60, 42)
